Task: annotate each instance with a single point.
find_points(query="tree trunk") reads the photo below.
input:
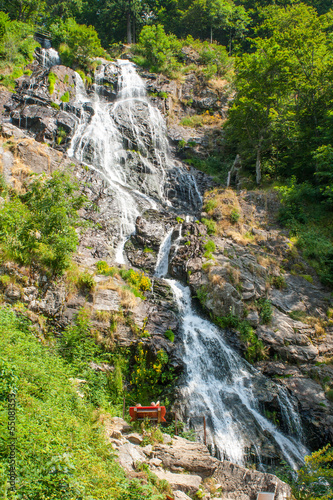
(129, 28)
(134, 31)
(258, 165)
(211, 34)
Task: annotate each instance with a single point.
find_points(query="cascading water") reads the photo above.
(126, 141)
(48, 57)
(218, 383)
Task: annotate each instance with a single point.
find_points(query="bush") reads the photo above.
(65, 97)
(38, 226)
(255, 349)
(210, 225)
(315, 478)
(17, 47)
(234, 215)
(77, 43)
(52, 78)
(209, 247)
(170, 335)
(266, 310)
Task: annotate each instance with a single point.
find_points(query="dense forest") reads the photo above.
(275, 58)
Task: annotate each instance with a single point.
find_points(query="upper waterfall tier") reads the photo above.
(126, 141)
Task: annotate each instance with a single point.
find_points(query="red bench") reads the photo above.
(151, 412)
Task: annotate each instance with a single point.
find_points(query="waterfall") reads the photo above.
(218, 384)
(126, 141)
(49, 57)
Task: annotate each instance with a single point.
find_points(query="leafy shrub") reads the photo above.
(279, 282)
(65, 97)
(150, 376)
(87, 280)
(255, 349)
(315, 478)
(17, 47)
(61, 135)
(170, 335)
(77, 43)
(139, 280)
(210, 205)
(52, 78)
(5, 279)
(38, 226)
(234, 215)
(210, 225)
(159, 50)
(266, 310)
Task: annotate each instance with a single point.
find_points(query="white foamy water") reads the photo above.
(110, 135)
(219, 385)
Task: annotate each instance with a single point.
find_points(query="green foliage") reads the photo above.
(65, 97)
(210, 205)
(265, 310)
(209, 247)
(279, 282)
(61, 135)
(52, 78)
(170, 335)
(104, 268)
(77, 43)
(315, 478)
(210, 225)
(255, 349)
(17, 47)
(38, 226)
(151, 376)
(158, 48)
(202, 294)
(137, 279)
(324, 160)
(148, 250)
(55, 105)
(234, 215)
(62, 452)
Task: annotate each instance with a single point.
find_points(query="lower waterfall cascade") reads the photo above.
(112, 137)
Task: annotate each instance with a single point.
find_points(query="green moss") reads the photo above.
(55, 105)
(52, 78)
(170, 335)
(210, 225)
(65, 97)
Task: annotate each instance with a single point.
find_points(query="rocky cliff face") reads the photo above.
(251, 259)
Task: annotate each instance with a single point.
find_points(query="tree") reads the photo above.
(260, 90)
(315, 478)
(283, 90)
(228, 17)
